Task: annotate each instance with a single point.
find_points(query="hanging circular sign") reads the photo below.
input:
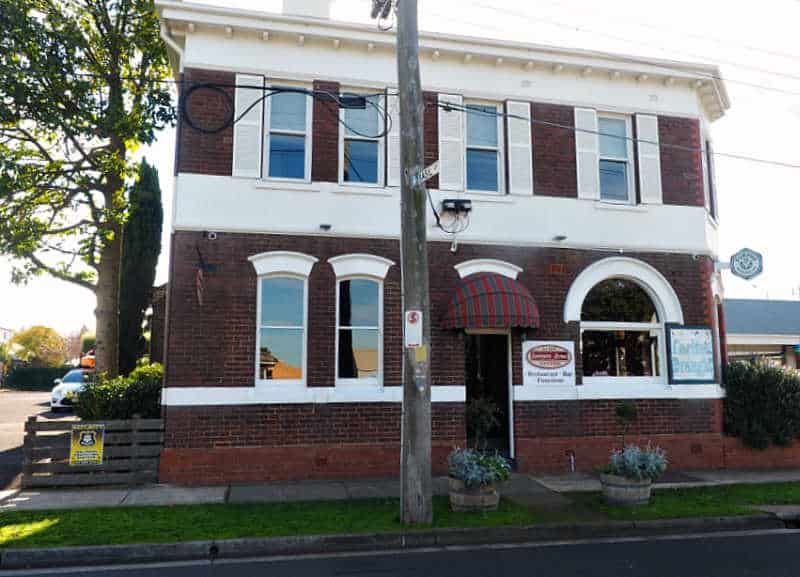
(747, 264)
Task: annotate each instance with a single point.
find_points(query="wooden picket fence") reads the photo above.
(130, 455)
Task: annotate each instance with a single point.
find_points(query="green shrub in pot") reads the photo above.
(473, 476)
(628, 477)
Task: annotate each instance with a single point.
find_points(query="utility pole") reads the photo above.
(415, 454)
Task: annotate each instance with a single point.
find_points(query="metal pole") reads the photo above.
(415, 457)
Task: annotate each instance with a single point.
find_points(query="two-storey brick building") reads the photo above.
(593, 223)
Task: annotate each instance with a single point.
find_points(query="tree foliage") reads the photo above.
(80, 90)
(40, 346)
(141, 247)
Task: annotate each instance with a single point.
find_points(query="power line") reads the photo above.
(576, 28)
(447, 106)
(707, 75)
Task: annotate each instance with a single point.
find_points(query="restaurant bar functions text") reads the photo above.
(548, 363)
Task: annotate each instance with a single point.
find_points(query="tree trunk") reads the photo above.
(107, 311)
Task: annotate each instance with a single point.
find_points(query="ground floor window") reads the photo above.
(621, 335)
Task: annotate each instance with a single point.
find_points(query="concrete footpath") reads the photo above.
(544, 491)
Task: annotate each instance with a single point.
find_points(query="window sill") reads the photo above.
(292, 185)
(619, 206)
(363, 190)
(483, 196)
(618, 388)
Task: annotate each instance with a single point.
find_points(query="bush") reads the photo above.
(482, 418)
(123, 397)
(34, 378)
(477, 469)
(633, 462)
(762, 404)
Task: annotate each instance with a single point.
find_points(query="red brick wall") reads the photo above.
(214, 345)
(596, 417)
(431, 133)
(259, 464)
(681, 169)
(199, 152)
(553, 147)
(325, 135)
(552, 454)
(209, 445)
(554, 172)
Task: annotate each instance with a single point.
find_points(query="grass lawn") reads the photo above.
(25, 529)
(723, 501)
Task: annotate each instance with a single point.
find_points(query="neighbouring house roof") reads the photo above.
(762, 317)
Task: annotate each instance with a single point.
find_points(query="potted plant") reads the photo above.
(629, 476)
(473, 479)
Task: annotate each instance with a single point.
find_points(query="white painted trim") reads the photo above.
(651, 280)
(282, 261)
(620, 389)
(359, 264)
(511, 437)
(469, 267)
(279, 394)
(748, 339)
(225, 204)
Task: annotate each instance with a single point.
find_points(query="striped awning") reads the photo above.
(490, 301)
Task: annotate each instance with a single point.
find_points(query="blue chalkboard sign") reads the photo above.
(690, 355)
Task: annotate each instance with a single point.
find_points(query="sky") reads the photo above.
(752, 42)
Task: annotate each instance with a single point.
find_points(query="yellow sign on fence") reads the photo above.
(86, 444)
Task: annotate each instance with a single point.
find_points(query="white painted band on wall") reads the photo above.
(273, 395)
(293, 394)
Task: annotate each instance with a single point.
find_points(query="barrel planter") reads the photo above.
(623, 491)
(466, 499)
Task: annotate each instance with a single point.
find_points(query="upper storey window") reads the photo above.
(361, 159)
(272, 134)
(287, 146)
(483, 147)
(616, 155)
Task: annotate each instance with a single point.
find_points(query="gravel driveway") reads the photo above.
(15, 408)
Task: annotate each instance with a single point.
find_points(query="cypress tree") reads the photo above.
(140, 249)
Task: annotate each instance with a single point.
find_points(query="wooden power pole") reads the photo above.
(415, 458)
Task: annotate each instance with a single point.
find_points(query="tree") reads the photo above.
(81, 88)
(40, 346)
(141, 247)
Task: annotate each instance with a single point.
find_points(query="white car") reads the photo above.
(67, 388)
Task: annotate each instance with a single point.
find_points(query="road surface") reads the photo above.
(15, 408)
(761, 554)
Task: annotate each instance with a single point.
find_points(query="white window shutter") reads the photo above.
(649, 159)
(451, 143)
(587, 146)
(393, 160)
(520, 162)
(247, 133)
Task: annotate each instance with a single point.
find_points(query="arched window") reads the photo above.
(282, 316)
(621, 332)
(359, 317)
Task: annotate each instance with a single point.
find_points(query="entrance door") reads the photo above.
(487, 380)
